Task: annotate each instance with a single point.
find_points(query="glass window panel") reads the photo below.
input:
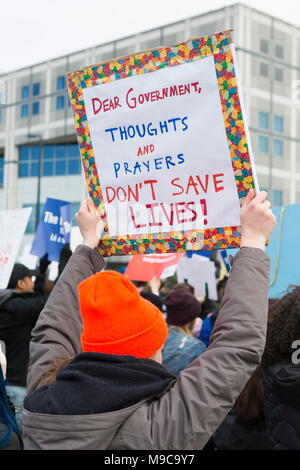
(48, 152)
(1, 170)
(74, 167)
(23, 170)
(60, 151)
(73, 151)
(278, 123)
(34, 152)
(264, 120)
(263, 144)
(264, 69)
(60, 167)
(34, 169)
(23, 153)
(24, 111)
(60, 102)
(35, 108)
(278, 147)
(278, 74)
(74, 208)
(279, 51)
(264, 46)
(48, 168)
(25, 92)
(36, 89)
(61, 82)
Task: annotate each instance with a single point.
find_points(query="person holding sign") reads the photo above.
(122, 335)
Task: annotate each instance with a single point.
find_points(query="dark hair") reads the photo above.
(250, 403)
(283, 327)
(185, 285)
(154, 299)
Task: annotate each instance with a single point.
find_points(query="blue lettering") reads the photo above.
(163, 125)
(158, 163)
(180, 158)
(131, 131)
(112, 132)
(147, 165)
(123, 133)
(141, 134)
(136, 167)
(183, 122)
(117, 168)
(169, 162)
(151, 131)
(126, 168)
(174, 122)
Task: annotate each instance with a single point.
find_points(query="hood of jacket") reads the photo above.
(5, 294)
(90, 400)
(284, 381)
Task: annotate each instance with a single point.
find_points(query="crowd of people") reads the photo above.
(95, 361)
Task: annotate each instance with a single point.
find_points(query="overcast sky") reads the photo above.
(32, 31)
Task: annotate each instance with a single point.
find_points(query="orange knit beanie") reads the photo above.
(116, 319)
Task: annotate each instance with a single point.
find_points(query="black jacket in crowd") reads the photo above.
(18, 315)
(282, 405)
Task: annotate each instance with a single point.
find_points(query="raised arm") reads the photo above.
(57, 331)
(197, 403)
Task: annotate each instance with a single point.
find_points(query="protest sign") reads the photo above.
(53, 229)
(12, 227)
(165, 147)
(283, 250)
(198, 271)
(145, 268)
(30, 261)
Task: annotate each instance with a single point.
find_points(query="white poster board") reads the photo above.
(163, 166)
(197, 271)
(12, 227)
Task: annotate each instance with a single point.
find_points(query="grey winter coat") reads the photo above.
(189, 411)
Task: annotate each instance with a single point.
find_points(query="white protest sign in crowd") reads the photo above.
(13, 224)
(198, 271)
(162, 165)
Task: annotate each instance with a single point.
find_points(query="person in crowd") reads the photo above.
(211, 313)
(114, 393)
(20, 305)
(281, 372)
(153, 298)
(181, 348)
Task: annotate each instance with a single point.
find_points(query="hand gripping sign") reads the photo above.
(164, 147)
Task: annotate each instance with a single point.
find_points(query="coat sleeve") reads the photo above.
(58, 329)
(187, 415)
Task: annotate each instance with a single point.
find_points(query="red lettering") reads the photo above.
(131, 193)
(151, 182)
(177, 186)
(180, 211)
(117, 102)
(119, 190)
(204, 188)
(217, 182)
(133, 219)
(94, 102)
(191, 182)
(169, 217)
(151, 147)
(153, 223)
(204, 209)
(109, 200)
(191, 210)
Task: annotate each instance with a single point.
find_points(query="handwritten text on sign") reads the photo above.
(161, 151)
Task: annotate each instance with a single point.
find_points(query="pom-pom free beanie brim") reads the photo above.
(116, 319)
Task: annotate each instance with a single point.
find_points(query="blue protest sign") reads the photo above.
(53, 230)
(284, 250)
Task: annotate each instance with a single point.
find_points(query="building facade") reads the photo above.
(36, 122)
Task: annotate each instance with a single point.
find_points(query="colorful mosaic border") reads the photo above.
(217, 45)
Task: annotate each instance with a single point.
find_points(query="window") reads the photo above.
(35, 109)
(263, 120)
(60, 102)
(36, 89)
(1, 115)
(263, 144)
(278, 74)
(278, 147)
(30, 228)
(277, 197)
(56, 160)
(264, 46)
(25, 92)
(264, 69)
(1, 170)
(61, 83)
(278, 124)
(24, 111)
(279, 51)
